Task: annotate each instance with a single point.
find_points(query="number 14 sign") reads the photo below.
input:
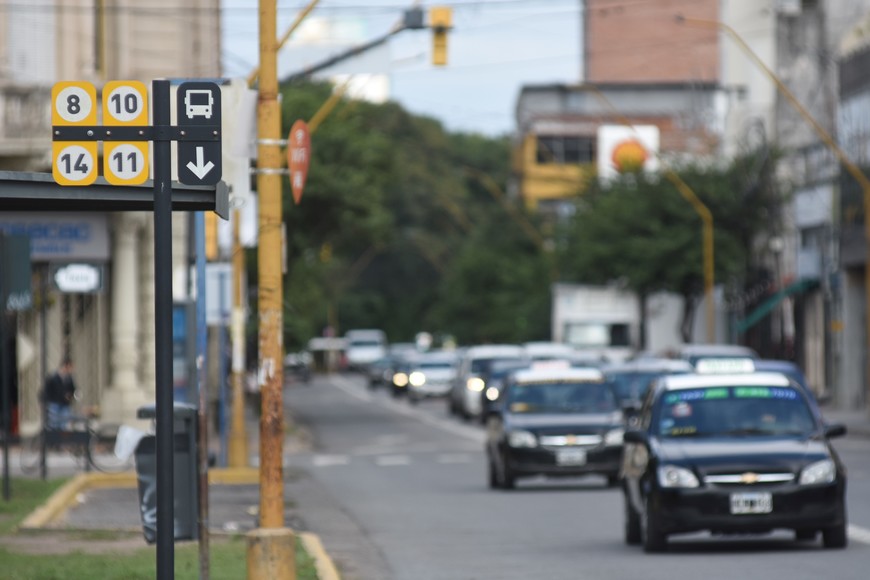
(125, 103)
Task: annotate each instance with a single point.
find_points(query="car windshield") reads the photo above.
(632, 385)
(734, 412)
(481, 366)
(561, 397)
(431, 365)
(365, 343)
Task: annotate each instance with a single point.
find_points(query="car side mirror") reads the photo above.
(635, 436)
(630, 408)
(835, 430)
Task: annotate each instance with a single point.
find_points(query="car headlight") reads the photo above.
(475, 384)
(400, 379)
(819, 472)
(614, 437)
(673, 476)
(522, 439)
(417, 379)
(491, 394)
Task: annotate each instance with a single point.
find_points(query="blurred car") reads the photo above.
(494, 379)
(732, 453)
(431, 374)
(543, 350)
(363, 347)
(380, 372)
(788, 368)
(465, 392)
(400, 373)
(692, 353)
(298, 365)
(631, 378)
(554, 422)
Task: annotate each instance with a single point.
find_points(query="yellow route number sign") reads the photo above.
(125, 103)
(74, 162)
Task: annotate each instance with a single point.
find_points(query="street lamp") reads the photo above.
(702, 210)
(850, 166)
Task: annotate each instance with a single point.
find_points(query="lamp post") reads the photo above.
(702, 210)
(826, 138)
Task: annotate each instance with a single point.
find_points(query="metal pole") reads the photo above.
(163, 330)
(4, 383)
(222, 368)
(43, 366)
(202, 393)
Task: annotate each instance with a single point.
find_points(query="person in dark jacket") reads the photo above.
(60, 391)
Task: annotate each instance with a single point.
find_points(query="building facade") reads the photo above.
(108, 334)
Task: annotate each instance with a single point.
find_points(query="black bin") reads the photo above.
(185, 489)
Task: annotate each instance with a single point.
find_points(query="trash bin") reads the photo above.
(185, 489)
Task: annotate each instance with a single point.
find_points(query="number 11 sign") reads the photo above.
(125, 103)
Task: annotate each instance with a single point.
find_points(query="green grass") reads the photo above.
(25, 496)
(227, 555)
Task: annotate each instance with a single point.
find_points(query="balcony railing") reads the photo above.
(25, 121)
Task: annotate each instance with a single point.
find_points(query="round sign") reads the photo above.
(125, 162)
(124, 104)
(74, 163)
(73, 104)
(79, 278)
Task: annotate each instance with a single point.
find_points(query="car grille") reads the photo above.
(748, 478)
(570, 440)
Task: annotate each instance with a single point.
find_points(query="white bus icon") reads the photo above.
(198, 102)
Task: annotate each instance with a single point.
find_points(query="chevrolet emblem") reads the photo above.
(570, 440)
(749, 478)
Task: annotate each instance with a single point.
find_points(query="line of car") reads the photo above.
(713, 439)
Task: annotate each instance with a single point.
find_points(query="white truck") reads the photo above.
(602, 322)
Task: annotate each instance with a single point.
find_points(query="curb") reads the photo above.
(326, 569)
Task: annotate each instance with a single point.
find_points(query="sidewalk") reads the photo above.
(94, 501)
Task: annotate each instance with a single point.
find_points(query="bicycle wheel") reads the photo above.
(101, 454)
(31, 448)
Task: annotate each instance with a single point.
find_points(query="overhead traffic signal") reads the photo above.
(440, 21)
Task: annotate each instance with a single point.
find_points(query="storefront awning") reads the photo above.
(768, 305)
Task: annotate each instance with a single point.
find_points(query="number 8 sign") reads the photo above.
(74, 162)
(125, 103)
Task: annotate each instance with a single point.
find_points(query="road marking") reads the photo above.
(329, 460)
(450, 458)
(859, 534)
(391, 460)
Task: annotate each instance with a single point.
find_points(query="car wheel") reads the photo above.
(632, 524)
(654, 540)
(805, 535)
(493, 475)
(507, 480)
(835, 536)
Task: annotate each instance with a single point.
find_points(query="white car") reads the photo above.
(431, 375)
(466, 394)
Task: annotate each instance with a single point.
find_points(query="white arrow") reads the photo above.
(200, 169)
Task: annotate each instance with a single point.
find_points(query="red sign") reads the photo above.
(298, 156)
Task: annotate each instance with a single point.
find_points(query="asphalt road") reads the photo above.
(400, 493)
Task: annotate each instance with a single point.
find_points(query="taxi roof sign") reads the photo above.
(722, 365)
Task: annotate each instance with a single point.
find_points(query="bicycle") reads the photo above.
(80, 437)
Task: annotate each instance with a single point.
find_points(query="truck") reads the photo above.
(364, 346)
(599, 322)
(603, 322)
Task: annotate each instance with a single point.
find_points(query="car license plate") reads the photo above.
(751, 503)
(571, 457)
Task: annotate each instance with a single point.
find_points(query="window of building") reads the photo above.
(562, 150)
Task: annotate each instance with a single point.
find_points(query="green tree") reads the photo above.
(639, 230)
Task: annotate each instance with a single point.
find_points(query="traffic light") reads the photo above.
(440, 20)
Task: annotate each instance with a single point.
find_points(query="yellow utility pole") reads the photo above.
(702, 210)
(271, 547)
(853, 169)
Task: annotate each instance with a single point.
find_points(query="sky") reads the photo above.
(494, 48)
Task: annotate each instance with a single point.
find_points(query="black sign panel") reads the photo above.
(199, 105)
(15, 273)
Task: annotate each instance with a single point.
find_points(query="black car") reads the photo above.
(494, 378)
(737, 453)
(554, 422)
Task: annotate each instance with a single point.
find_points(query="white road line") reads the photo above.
(454, 458)
(391, 460)
(859, 534)
(329, 460)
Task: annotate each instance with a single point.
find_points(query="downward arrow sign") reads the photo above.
(200, 169)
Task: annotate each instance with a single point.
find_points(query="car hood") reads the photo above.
(755, 453)
(563, 423)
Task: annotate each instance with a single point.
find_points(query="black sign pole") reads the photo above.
(4, 384)
(163, 329)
